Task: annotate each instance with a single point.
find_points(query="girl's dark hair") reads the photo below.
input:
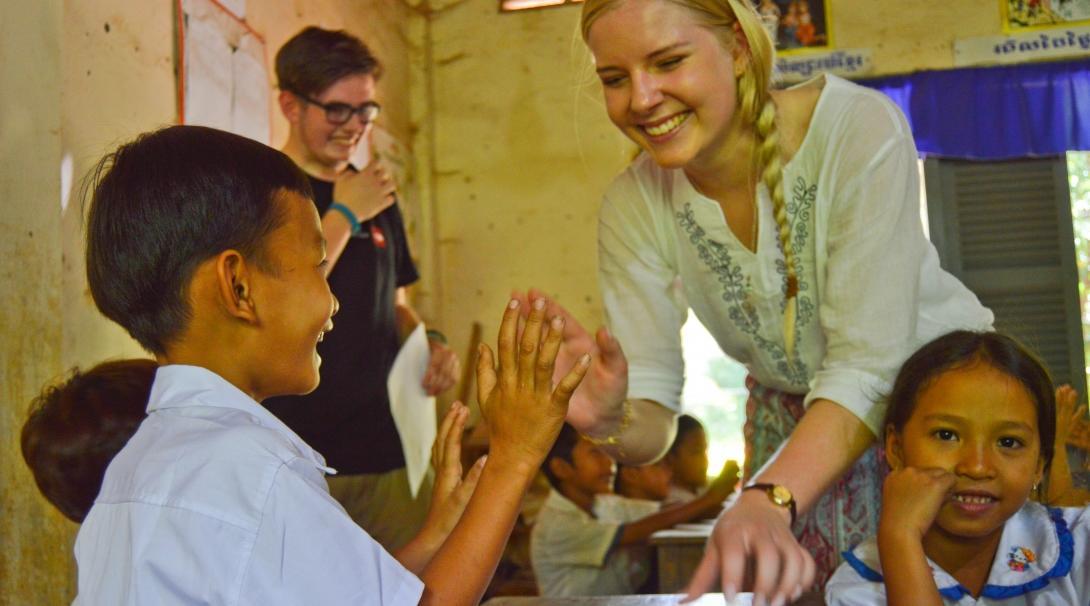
(562, 448)
(963, 348)
(315, 58)
(168, 201)
(74, 430)
(686, 424)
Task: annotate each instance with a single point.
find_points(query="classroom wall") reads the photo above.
(88, 76)
(34, 558)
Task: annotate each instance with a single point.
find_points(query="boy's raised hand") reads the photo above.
(600, 396)
(723, 485)
(911, 499)
(1068, 413)
(523, 410)
(449, 496)
(451, 491)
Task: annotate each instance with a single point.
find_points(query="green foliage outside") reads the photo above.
(1078, 173)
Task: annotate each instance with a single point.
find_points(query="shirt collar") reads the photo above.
(1035, 546)
(179, 386)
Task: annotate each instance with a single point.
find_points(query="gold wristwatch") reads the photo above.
(779, 495)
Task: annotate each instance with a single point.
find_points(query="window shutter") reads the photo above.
(1004, 229)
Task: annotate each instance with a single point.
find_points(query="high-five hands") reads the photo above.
(519, 402)
(600, 397)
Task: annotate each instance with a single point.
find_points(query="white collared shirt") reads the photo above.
(215, 501)
(1041, 560)
(871, 290)
(574, 554)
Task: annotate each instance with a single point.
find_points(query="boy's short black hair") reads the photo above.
(77, 427)
(562, 449)
(315, 58)
(963, 348)
(165, 203)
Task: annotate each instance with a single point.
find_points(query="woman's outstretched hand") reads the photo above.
(752, 546)
(598, 400)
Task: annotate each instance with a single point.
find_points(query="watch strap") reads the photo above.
(768, 490)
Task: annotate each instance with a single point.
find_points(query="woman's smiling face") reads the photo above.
(669, 81)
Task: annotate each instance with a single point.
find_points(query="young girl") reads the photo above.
(688, 458)
(969, 437)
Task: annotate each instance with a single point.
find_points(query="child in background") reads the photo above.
(576, 553)
(688, 458)
(969, 436)
(1061, 487)
(206, 247)
(74, 430)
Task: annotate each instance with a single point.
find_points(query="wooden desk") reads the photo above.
(678, 551)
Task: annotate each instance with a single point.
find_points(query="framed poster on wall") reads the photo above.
(796, 24)
(1019, 15)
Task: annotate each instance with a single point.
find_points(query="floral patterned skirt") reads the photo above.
(848, 512)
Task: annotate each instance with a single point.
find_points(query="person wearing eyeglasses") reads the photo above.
(327, 83)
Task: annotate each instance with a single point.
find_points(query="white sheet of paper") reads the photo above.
(412, 408)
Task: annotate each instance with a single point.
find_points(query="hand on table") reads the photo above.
(753, 541)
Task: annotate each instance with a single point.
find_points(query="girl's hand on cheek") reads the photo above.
(911, 499)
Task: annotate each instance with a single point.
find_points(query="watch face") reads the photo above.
(781, 495)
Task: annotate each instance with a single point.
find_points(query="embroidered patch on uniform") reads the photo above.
(1020, 558)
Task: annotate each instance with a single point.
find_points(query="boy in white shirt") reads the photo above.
(206, 247)
(576, 552)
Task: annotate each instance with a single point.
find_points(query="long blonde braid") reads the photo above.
(754, 106)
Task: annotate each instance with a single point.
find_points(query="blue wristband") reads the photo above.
(349, 215)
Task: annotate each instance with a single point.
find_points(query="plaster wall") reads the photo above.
(34, 558)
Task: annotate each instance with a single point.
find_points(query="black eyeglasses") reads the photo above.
(339, 113)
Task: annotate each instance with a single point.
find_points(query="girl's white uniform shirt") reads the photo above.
(870, 286)
(1041, 560)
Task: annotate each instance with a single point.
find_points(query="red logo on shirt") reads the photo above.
(378, 237)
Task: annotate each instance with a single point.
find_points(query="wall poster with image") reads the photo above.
(796, 24)
(1033, 14)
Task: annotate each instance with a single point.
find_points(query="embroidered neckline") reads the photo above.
(742, 313)
(957, 591)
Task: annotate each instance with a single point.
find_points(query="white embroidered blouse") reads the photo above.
(870, 287)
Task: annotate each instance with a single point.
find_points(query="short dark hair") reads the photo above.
(315, 58)
(562, 449)
(963, 348)
(77, 427)
(164, 203)
(686, 424)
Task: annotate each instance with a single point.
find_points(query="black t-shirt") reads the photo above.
(347, 419)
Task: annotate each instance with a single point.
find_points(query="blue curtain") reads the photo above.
(996, 113)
